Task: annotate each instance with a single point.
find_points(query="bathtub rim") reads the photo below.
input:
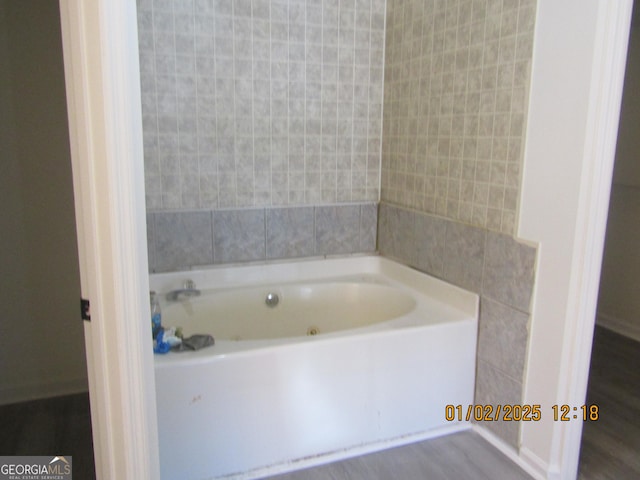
(232, 274)
(426, 287)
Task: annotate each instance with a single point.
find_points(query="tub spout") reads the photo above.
(188, 290)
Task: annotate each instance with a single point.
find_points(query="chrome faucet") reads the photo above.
(188, 290)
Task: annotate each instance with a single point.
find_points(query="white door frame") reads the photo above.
(576, 90)
(102, 73)
(105, 126)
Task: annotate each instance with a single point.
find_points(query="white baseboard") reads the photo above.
(24, 393)
(530, 463)
(619, 326)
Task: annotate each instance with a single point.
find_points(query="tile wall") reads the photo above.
(455, 99)
(179, 240)
(492, 264)
(261, 102)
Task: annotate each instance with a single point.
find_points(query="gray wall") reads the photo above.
(178, 240)
(42, 350)
(619, 302)
(261, 103)
(456, 89)
(252, 109)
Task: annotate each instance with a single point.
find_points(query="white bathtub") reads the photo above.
(359, 354)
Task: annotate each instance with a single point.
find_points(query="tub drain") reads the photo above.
(313, 331)
(272, 299)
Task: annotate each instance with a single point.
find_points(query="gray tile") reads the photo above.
(337, 229)
(464, 255)
(212, 51)
(368, 227)
(290, 232)
(509, 271)
(396, 236)
(183, 239)
(495, 388)
(430, 236)
(238, 235)
(384, 232)
(502, 337)
(493, 108)
(151, 242)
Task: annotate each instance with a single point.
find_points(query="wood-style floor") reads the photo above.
(53, 426)
(461, 456)
(610, 446)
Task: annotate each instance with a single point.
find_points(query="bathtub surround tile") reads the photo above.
(430, 241)
(290, 232)
(502, 337)
(238, 235)
(495, 388)
(251, 234)
(455, 108)
(151, 242)
(261, 79)
(384, 239)
(464, 255)
(337, 229)
(343, 229)
(396, 233)
(488, 263)
(182, 239)
(509, 271)
(368, 227)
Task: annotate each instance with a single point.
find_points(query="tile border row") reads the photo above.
(183, 239)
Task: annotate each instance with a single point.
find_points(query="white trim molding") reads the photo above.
(529, 464)
(105, 123)
(576, 89)
(607, 81)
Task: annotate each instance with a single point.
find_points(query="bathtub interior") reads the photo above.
(318, 298)
(288, 310)
(247, 408)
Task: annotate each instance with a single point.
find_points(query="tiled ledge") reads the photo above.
(495, 266)
(180, 240)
